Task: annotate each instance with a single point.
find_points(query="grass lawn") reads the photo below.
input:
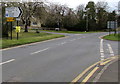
(25, 38)
(73, 32)
(112, 37)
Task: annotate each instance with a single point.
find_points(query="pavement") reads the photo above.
(59, 60)
(110, 74)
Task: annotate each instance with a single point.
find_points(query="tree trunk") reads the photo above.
(26, 26)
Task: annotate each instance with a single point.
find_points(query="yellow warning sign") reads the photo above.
(10, 19)
(18, 29)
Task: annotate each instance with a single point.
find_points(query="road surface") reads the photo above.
(59, 60)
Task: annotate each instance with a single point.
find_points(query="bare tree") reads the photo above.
(31, 9)
(102, 14)
(80, 11)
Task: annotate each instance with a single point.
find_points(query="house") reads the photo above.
(35, 23)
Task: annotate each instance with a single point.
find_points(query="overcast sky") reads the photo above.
(74, 3)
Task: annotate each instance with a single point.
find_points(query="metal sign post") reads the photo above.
(7, 29)
(115, 26)
(11, 31)
(17, 32)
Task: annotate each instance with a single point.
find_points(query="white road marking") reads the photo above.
(111, 50)
(101, 46)
(101, 51)
(63, 43)
(39, 51)
(7, 61)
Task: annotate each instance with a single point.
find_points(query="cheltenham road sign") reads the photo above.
(13, 12)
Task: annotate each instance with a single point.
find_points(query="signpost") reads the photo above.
(11, 13)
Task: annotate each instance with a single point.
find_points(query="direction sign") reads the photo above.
(108, 24)
(10, 19)
(112, 24)
(13, 12)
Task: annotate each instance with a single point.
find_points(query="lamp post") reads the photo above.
(119, 8)
(87, 19)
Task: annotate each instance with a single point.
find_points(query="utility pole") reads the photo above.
(87, 22)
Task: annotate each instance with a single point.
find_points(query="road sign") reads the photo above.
(112, 24)
(18, 19)
(13, 12)
(108, 24)
(10, 19)
(18, 29)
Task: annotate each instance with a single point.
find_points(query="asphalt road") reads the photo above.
(59, 60)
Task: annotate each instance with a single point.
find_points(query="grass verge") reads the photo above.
(26, 38)
(112, 37)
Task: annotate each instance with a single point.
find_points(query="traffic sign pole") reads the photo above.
(11, 30)
(17, 35)
(115, 26)
(7, 30)
(109, 27)
(17, 32)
